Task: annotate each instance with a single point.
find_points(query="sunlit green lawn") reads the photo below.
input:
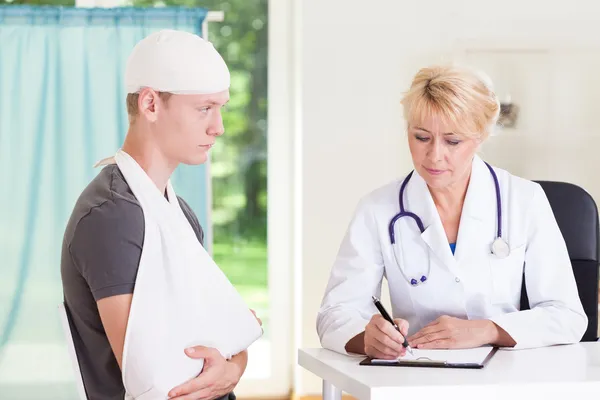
(246, 267)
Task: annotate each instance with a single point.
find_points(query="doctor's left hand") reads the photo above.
(453, 333)
(218, 377)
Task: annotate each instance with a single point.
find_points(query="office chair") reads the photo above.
(577, 217)
(66, 324)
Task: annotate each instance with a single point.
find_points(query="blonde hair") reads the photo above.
(461, 97)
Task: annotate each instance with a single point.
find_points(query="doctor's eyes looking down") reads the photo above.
(422, 135)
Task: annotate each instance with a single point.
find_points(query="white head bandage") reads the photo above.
(177, 62)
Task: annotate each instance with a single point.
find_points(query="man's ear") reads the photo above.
(148, 104)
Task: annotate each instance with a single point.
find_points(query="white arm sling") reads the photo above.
(181, 297)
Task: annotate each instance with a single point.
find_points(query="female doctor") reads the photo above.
(454, 239)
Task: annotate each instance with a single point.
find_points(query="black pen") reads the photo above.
(385, 315)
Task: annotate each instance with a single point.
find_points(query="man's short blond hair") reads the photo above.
(132, 103)
(461, 97)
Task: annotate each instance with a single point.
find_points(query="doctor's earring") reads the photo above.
(415, 282)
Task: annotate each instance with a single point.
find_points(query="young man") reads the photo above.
(177, 84)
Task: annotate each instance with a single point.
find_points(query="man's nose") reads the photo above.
(217, 128)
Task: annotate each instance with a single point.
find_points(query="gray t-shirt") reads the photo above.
(101, 251)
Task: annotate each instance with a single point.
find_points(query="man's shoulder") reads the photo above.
(109, 186)
(106, 199)
(108, 204)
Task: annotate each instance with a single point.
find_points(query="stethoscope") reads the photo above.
(499, 246)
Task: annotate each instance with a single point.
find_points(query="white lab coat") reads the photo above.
(472, 283)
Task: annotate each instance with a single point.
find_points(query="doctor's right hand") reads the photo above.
(382, 340)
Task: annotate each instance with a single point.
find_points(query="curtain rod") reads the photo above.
(215, 16)
(211, 16)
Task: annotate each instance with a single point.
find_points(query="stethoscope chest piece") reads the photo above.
(500, 248)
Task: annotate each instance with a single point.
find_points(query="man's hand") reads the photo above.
(455, 333)
(218, 377)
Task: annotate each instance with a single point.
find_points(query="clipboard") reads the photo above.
(428, 363)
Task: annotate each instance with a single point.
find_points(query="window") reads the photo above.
(237, 232)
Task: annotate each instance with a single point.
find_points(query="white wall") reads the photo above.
(356, 59)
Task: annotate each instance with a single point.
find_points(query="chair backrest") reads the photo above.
(577, 217)
(66, 324)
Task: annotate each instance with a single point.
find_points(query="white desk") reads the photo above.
(561, 372)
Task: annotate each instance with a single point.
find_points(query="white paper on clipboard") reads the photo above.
(455, 356)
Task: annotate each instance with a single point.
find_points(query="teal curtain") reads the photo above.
(62, 108)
